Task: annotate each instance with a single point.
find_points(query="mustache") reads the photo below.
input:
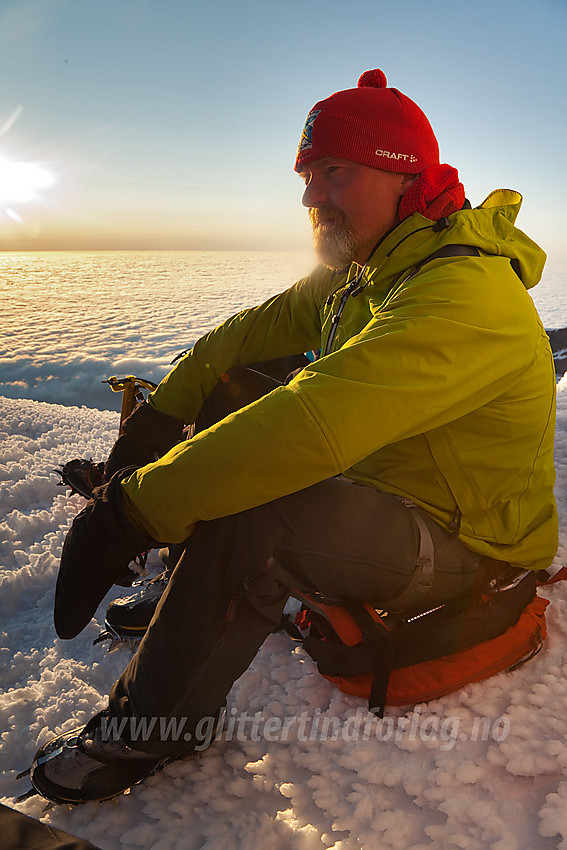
(321, 216)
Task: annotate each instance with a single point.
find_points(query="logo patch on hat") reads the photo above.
(407, 157)
(305, 142)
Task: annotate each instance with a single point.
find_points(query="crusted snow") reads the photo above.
(418, 779)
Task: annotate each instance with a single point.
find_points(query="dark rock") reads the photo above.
(558, 340)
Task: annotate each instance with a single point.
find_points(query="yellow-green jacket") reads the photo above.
(439, 386)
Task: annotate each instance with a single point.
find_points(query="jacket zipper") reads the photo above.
(337, 317)
(355, 286)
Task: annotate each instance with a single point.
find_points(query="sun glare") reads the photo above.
(21, 182)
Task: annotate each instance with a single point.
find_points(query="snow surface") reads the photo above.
(433, 783)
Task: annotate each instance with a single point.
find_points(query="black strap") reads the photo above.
(461, 251)
(381, 679)
(377, 635)
(454, 251)
(447, 251)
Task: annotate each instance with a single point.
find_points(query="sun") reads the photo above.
(22, 182)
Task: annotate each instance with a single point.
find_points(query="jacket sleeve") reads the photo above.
(288, 323)
(441, 347)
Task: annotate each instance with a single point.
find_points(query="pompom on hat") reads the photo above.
(371, 124)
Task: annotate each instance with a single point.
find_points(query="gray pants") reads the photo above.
(235, 575)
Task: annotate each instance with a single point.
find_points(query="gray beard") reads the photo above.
(335, 244)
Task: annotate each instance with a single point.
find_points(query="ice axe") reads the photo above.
(131, 389)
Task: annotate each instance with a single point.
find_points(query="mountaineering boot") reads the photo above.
(90, 764)
(128, 617)
(96, 763)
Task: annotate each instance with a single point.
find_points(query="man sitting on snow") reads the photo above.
(417, 447)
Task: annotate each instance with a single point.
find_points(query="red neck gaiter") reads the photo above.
(437, 192)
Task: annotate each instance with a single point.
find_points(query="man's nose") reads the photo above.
(315, 194)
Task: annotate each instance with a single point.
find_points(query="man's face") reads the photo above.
(351, 207)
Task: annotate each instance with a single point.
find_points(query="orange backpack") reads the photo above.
(395, 661)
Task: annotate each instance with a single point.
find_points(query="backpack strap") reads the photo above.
(446, 251)
(376, 629)
(462, 251)
(383, 660)
(454, 251)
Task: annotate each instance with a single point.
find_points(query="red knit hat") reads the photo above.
(373, 125)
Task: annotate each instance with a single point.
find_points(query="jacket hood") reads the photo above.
(489, 227)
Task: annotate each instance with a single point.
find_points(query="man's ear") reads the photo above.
(406, 181)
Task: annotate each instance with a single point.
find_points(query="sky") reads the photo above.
(174, 124)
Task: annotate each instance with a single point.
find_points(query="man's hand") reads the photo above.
(97, 550)
(148, 434)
